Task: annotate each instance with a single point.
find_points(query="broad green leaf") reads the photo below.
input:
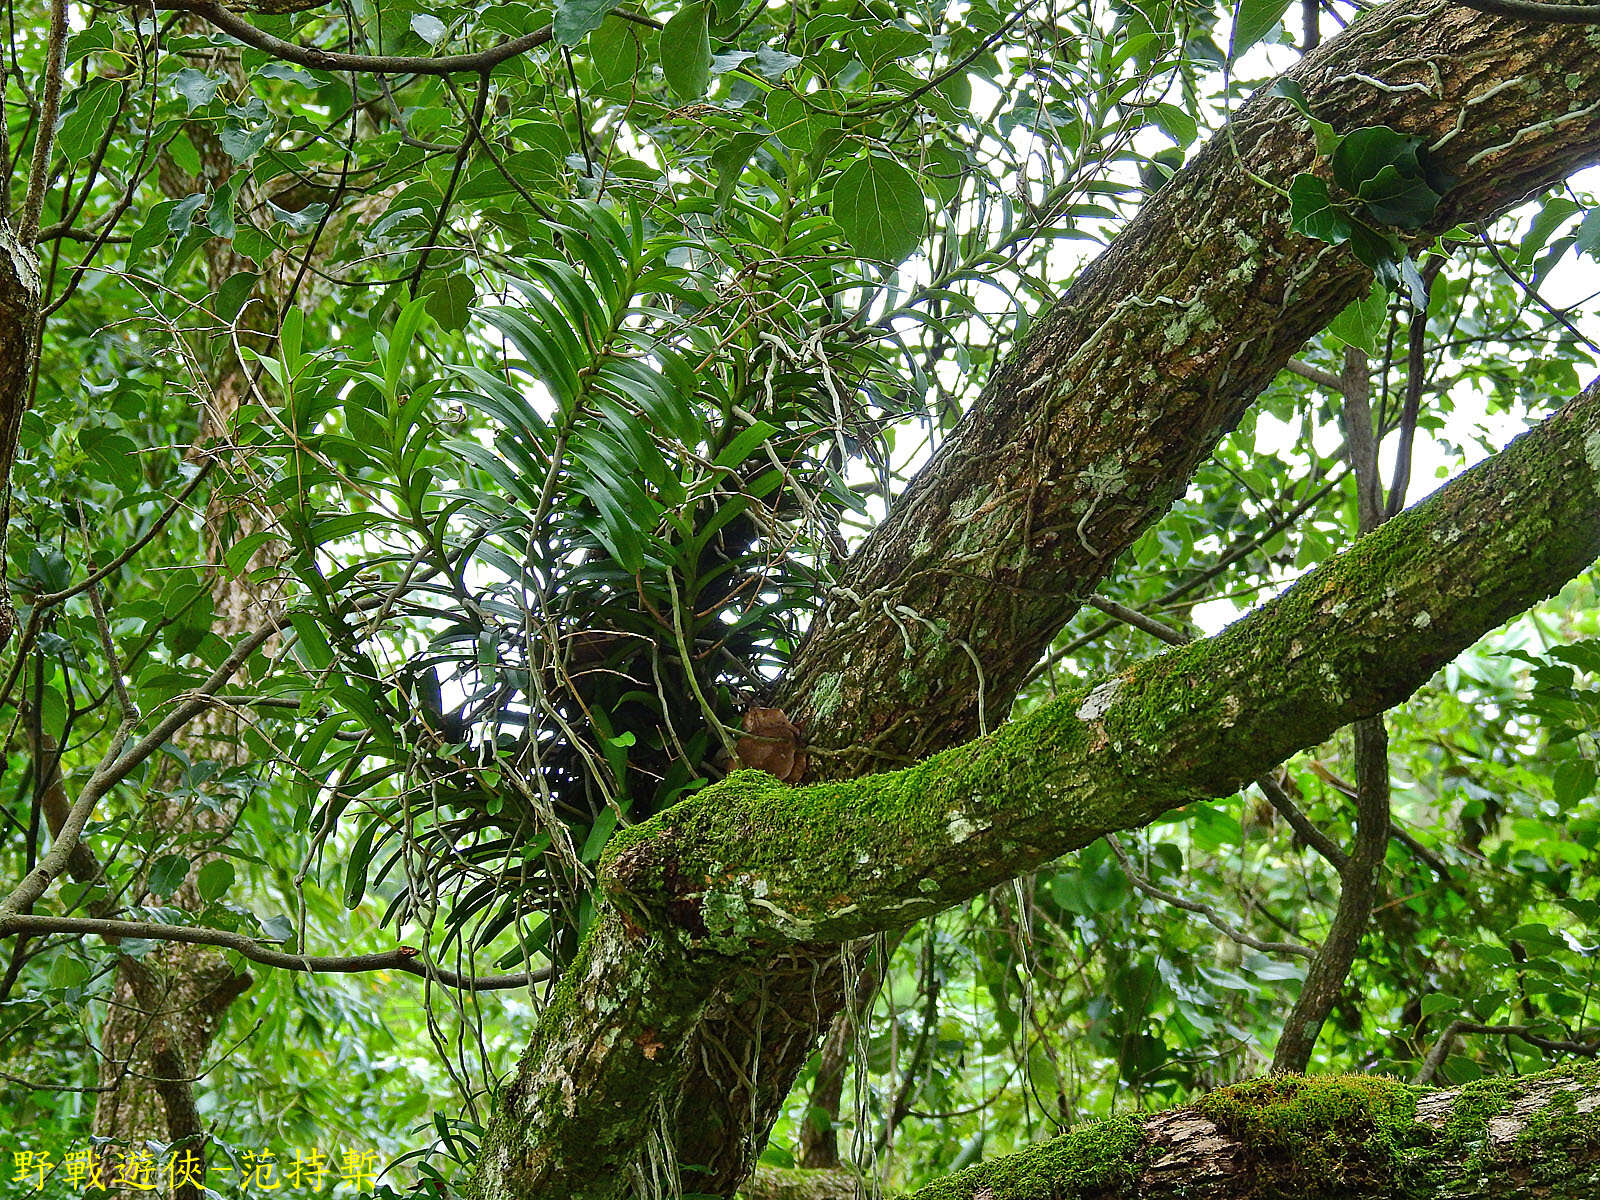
(81, 129)
(429, 28)
(1314, 212)
(1363, 153)
(616, 48)
(1392, 198)
(449, 300)
(214, 879)
(686, 52)
(167, 874)
(1588, 238)
(1361, 322)
(196, 87)
(576, 19)
(880, 207)
(1252, 21)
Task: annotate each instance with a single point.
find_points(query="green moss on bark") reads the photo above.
(1096, 1160)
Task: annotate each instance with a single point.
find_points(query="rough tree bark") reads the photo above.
(19, 350)
(751, 871)
(1100, 419)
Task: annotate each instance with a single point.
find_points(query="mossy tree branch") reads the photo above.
(751, 862)
(753, 871)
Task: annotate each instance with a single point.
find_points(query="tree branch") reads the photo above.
(477, 62)
(1350, 639)
(402, 958)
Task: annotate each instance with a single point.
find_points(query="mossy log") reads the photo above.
(1343, 1137)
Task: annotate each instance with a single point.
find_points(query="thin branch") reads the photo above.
(402, 958)
(1441, 1048)
(115, 766)
(44, 132)
(370, 64)
(1278, 796)
(52, 598)
(1231, 931)
(1323, 379)
(1533, 10)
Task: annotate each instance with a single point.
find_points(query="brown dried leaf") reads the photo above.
(772, 744)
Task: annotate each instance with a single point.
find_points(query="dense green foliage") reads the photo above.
(542, 405)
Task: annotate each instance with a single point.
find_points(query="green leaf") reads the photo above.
(1177, 123)
(1314, 212)
(68, 971)
(599, 835)
(1363, 153)
(576, 19)
(355, 877)
(168, 874)
(449, 300)
(1573, 781)
(737, 450)
(686, 53)
(880, 207)
(246, 130)
(1361, 322)
(1437, 1002)
(429, 28)
(1588, 236)
(81, 129)
(1392, 198)
(1252, 21)
(729, 161)
(196, 87)
(214, 879)
(1327, 140)
(233, 293)
(617, 51)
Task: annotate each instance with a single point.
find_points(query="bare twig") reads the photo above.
(1228, 929)
(402, 958)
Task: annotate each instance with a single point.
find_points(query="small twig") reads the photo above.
(1324, 379)
(126, 708)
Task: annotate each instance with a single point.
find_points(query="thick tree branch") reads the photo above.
(749, 860)
(1529, 1033)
